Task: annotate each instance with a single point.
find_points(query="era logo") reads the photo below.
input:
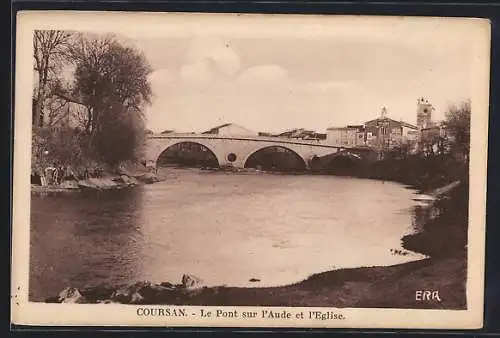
(427, 295)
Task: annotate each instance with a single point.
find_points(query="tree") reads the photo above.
(122, 134)
(49, 49)
(400, 151)
(458, 127)
(57, 110)
(111, 81)
(107, 73)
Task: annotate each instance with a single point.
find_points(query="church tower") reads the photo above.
(424, 113)
(383, 113)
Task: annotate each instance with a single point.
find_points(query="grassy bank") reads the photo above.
(423, 173)
(446, 234)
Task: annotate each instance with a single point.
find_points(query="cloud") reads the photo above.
(197, 73)
(161, 77)
(202, 99)
(329, 86)
(280, 79)
(208, 85)
(212, 56)
(264, 74)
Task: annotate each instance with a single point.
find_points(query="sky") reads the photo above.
(278, 74)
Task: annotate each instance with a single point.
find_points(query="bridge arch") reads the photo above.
(189, 145)
(252, 159)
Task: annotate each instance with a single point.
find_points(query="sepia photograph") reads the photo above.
(250, 170)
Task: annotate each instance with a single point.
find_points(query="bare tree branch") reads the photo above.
(47, 49)
(69, 98)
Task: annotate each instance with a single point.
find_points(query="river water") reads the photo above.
(224, 228)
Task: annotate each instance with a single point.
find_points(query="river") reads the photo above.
(225, 228)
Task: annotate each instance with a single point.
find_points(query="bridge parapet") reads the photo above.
(276, 139)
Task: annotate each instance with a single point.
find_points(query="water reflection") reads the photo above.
(225, 228)
(84, 239)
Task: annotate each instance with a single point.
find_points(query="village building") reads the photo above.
(229, 129)
(386, 133)
(437, 131)
(346, 136)
(380, 133)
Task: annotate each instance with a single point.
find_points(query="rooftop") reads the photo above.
(216, 128)
(406, 124)
(360, 126)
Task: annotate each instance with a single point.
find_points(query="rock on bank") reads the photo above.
(142, 292)
(104, 183)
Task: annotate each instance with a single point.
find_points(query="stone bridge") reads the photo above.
(235, 150)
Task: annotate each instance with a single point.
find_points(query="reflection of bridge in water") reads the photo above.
(236, 150)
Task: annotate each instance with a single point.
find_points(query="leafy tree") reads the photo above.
(109, 73)
(62, 146)
(400, 151)
(458, 126)
(120, 137)
(111, 82)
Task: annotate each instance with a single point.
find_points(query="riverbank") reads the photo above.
(107, 182)
(441, 237)
(370, 287)
(422, 173)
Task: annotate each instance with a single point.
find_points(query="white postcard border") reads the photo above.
(29, 313)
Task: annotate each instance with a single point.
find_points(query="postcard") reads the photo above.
(249, 170)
